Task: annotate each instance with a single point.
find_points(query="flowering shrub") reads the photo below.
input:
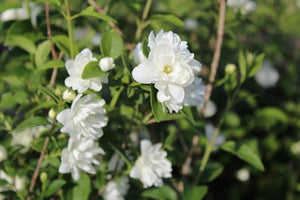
(149, 99)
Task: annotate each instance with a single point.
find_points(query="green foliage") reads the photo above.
(163, 193)
(92, 70)
(192, 192)
(111, 44)
(243, 152)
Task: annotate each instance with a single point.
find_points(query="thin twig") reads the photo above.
(99, 10)
(54, 72)
(188, 160)
(37, 169)
(217, 52)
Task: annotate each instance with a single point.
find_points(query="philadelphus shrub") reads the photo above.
(172, 69)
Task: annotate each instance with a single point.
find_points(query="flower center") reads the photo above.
(167, 69)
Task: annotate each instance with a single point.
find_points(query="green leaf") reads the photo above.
(42, 52)
(49, 92)
(52, 64)
(165, 192)
(90, 12)
(211, 172)
(83, 189)
(243, 152)
(38, 144)
(257, 64)
(92, 70)
(170, 19)
(54, 186)
(31, 122)
(62, 42)
(145, 48)
(22, 42)
(192, 192)
(52, 2)
(111, 44)
(242, 66)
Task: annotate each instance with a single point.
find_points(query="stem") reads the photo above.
(141, 24)
(116, 97)
(70, 30)
(217, 52)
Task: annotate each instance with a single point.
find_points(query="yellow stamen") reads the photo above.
(167, 69)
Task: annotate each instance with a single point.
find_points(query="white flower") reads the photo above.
(106, 64)
(96, 39)
(191, 24)
(21, 13)
(152, 165)
(194, 93)
(210, 109)
(18, 183)
(68, 95)
(267, 76)
(80, 33)
(75, 69)
(80, 155)
(3, 154)
(209, 132)
(138, 55)
(25, 136)
(85, 118)
(170, 66)
(245, 6)
(136, 137)
(116, 163)
(243, 175)
(116, 189)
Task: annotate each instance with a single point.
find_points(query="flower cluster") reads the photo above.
(172, 69)
(85, 119)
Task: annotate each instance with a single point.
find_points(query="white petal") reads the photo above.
(177, 92)
(144, 73)
(145, 146)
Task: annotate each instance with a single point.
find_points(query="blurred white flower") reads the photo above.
(80, 156)
(25, 136)
(18, 183)
(138, 55)
(170, 66)
(137, 136)
(116, 189)
(75, 69)
(152, 165)
(194, 93)
(3, 153)
(209, 132)
(267, 76)
(106, 64)
(245, 6)
(85, 118)
(191, 24)
(21, 13)
(298, 3)
(80, 33)
(68, 95)
(96, 39)
(243, 175)
(210, 109)
(116, 163)
(295, 148)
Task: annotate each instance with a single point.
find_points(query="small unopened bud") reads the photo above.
(57, 92)
(230, 68)
(106, 64)
(43, 177)
(51, 114)
(69, 95)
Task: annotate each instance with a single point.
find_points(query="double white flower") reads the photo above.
(116, 189)
(80, 155)
(85, 118)
(170, 66)
(152, 165)
(75, 69)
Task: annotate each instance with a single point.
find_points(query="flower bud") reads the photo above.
(230, 68)
(106, 64)
(69, 95)
(57, 92)
(51, 114)
(43, 177)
